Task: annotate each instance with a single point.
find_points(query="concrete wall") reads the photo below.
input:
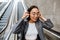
(49, 9)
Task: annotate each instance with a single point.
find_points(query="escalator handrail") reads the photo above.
(53, 32)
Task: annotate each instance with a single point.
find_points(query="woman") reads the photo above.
(32, 29)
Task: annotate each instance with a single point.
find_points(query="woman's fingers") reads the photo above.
(25, 15)
(39, 15)
(42, 17)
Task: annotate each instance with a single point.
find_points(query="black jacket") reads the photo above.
(23, 26)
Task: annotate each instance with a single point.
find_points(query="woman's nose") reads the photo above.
(36, 16)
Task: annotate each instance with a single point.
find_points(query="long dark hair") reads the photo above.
(29, 10)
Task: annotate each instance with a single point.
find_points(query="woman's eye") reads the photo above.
(33, 13)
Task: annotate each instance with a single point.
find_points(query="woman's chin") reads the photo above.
(34, 20)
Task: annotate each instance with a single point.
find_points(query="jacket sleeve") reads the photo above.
(18, 27)
(47, 24)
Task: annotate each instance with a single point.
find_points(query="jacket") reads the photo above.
(22, 28)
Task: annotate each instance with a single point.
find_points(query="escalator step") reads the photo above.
(3, 21)
(4, 18)
(6, 14)
(2, 24)
(0, 29)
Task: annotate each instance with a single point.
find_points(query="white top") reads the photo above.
(31, 32)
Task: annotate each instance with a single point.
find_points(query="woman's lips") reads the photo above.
(35, 18)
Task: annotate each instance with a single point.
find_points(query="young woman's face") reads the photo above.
(34, 14)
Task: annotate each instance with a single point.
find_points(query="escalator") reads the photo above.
(20, 10)
(50, 34)
(4, 18)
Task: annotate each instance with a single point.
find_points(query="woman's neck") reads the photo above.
(30, 21)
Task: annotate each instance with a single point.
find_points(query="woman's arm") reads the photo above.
(46, 22)
(18, 26)
(20, 23)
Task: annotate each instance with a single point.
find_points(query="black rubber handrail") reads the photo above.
(51, 34)
(56, 32)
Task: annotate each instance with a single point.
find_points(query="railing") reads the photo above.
(51, 34)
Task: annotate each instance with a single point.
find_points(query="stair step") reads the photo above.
(6, 14)
(3, 24)
(4, 18)
(1, 27)
(3, 21)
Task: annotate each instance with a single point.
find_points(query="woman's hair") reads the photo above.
(29, 10)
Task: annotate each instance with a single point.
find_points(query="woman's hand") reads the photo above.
(42, 18)
(25, 15)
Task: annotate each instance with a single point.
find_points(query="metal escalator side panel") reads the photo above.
(20, 10)
(51, 35)
(9, 10)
